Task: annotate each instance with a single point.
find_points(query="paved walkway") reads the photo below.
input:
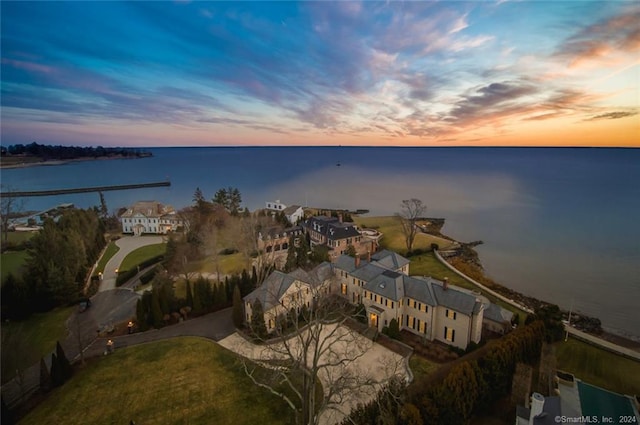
(371, 367)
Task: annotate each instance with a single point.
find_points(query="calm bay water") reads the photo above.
(558, 224)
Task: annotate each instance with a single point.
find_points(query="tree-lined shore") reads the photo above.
(20, 155)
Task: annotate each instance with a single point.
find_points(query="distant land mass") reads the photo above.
(37, 154)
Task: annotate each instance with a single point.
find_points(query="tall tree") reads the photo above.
(56, 374)
(411, 210)
(221, 197)
(9, 206)
(313, 350)
(238, 310)
(63, 362)
(234, 200)
(45, 377)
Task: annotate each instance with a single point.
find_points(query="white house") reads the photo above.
(294, 213)
(150, 217)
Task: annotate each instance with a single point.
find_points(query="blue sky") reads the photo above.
(322, 73)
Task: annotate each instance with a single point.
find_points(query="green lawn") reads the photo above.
(424, 264)
(25, 342)
(228, 264)
(142, 254)
(392, 237)
(111, 250)
(16, 238)
(12, 262)
(598, 367)
(179, 381)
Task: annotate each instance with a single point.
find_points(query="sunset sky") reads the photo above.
(195, 73)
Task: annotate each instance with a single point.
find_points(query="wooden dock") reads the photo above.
(26, 194)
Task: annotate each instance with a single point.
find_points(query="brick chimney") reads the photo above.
(357, 261)
(369, 256)
(445, 283)
(373, 246)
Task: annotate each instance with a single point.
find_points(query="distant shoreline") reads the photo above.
(31, 161)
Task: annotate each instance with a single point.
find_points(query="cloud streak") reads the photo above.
(388, 72)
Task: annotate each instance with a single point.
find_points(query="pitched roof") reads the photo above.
(367, 271)
(277, 283)
(291, 209)
(271, 290)
(389, 259)
(148, 209)
(420, 289)
(331, 227)
(453, 299)
(388, 284)
(497, 314)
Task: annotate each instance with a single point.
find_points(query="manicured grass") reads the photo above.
(142, 254)
(228, 264)
(12, 262)
(16, 238)
(111, 250)
(392, 237)
(179, 381)
(598, 367)
(421, 367)
(25, 342)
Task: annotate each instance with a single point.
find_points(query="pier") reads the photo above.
(25, 194)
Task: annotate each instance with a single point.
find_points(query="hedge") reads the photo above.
(131, 273)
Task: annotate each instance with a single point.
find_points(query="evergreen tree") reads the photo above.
(45, 377)
(394, 329)
(238, 310)
(65, 367)
(197, 303)
(141, 315)
(7, 416)
(258, 325)
(156, 311)
(56, 373)
(189, 295)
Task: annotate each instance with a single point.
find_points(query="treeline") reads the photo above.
(59, 257)
(160, 306)
(71, 152)
(468, 388)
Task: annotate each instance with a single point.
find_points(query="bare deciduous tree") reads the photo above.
(249, 230)
(311, 345)
(9, 206)
(410, 211)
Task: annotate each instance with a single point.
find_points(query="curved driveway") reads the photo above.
(126, 244)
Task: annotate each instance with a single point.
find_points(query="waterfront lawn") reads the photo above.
(12, 262)
(598, 367)
(428, 265)
(111, 250)
(199, 383)
(141, 254)
(392, 237)
(26, 341)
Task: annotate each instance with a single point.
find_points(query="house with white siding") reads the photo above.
(150, 217)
